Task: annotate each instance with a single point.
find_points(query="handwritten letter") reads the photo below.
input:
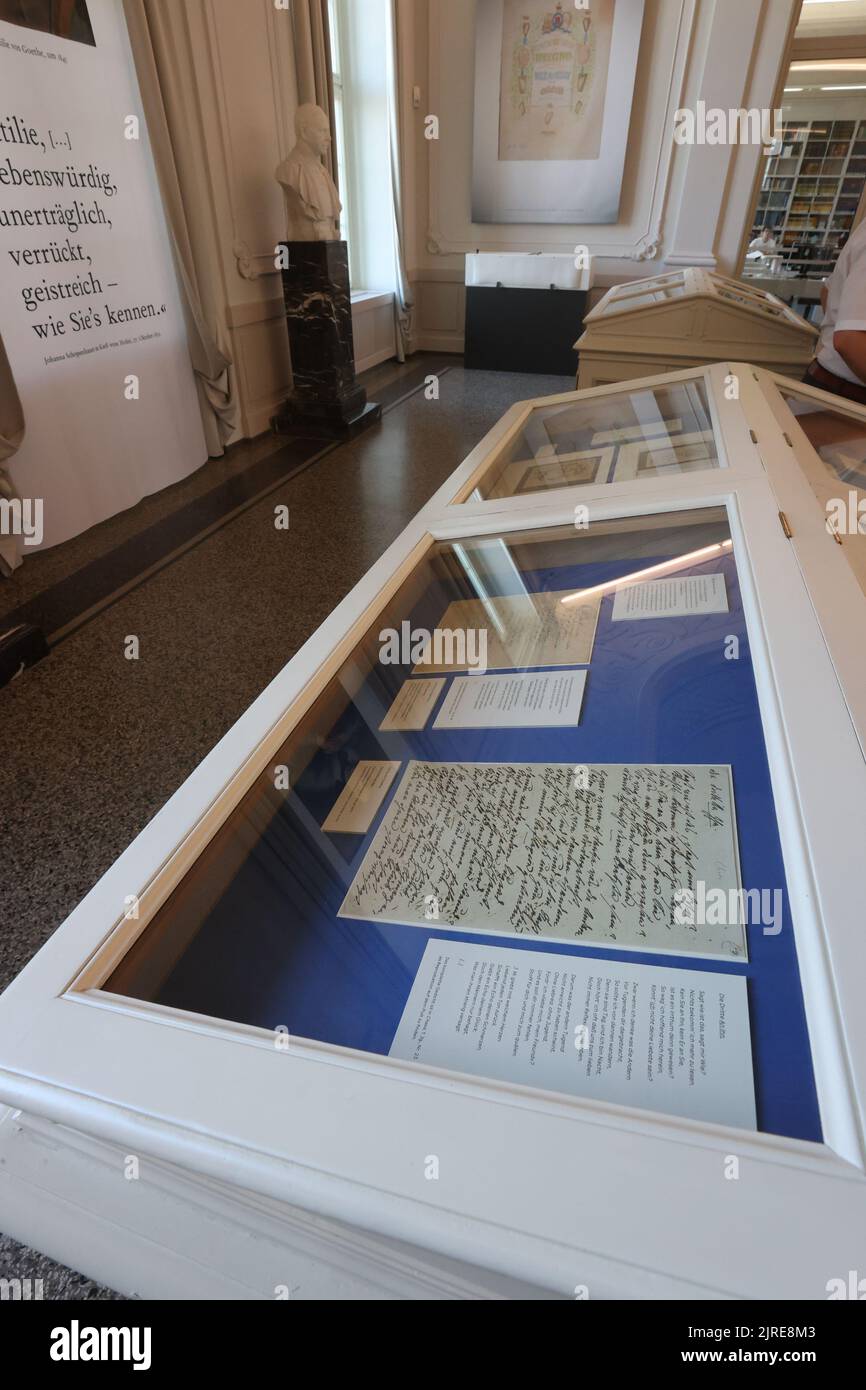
(601, 854)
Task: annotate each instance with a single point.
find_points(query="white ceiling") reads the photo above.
(830, 18)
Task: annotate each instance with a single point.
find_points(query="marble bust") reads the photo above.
(312, 203)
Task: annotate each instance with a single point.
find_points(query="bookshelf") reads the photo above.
(811, 190)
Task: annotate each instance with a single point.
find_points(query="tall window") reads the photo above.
(359, 45)
(339, 131)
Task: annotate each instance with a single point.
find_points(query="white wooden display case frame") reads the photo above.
(832, 565)
(327, 1146)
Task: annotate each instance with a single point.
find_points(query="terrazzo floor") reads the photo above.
(95, 744)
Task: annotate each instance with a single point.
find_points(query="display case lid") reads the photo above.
(834, 465)
(627, 436)
(469, 802)
(813, 445)
(212, 1004)
(661, 292)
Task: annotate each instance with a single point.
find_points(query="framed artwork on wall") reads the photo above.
(549, 139)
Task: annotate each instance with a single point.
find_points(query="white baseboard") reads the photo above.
(439, 342)
(363, 364)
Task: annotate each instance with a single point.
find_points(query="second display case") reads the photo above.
(687, 318)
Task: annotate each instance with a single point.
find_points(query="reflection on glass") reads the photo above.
(639, 299)
(650, 283)
(747, 292)
(764, 304)
(839, 441)
(642, 433)
(732, 284)
(613, 750)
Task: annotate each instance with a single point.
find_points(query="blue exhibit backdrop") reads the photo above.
(89, 306)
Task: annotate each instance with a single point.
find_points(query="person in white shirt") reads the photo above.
(840, 361)
(765, 243)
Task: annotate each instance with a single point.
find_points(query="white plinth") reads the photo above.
(527, 271)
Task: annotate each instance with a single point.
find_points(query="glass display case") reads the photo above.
(642, 433)
(684, 319)
(525, 861)
(835, 465)
(495, 819)
(811, 444)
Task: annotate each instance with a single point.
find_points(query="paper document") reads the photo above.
(685, 453)
(413, 705)
(530, 700)
(522, 630)
(601, 854)
(673, 1041)
(671, 598)
(556, 470)
(355, 808)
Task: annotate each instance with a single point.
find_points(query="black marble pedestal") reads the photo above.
(326, 398)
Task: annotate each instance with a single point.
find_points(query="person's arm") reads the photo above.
(851, 347)
(849, 328)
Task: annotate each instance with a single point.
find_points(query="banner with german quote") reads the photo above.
(89, 307)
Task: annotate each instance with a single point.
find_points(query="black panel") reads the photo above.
(512, 330)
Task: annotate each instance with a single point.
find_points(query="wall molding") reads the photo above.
(699, 258)
(648, 248)
(254, 311)
(253, 265)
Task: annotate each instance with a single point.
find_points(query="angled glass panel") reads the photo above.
(650, 282)
(647, 432)
(639, 298)
(502, 866)
(837, 474)
(754, 298)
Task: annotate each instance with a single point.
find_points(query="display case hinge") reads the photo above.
(786, 526)
(754, 439)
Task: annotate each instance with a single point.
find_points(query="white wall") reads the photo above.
(680, 205)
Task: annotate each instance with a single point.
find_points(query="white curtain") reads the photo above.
(403, 300)
(152, 26)
(312, 46)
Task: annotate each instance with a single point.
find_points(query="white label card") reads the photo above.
(671, 598)
(608, 854)
(668, 1040)
(531, 700)
(355, 808)
(413, 705)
